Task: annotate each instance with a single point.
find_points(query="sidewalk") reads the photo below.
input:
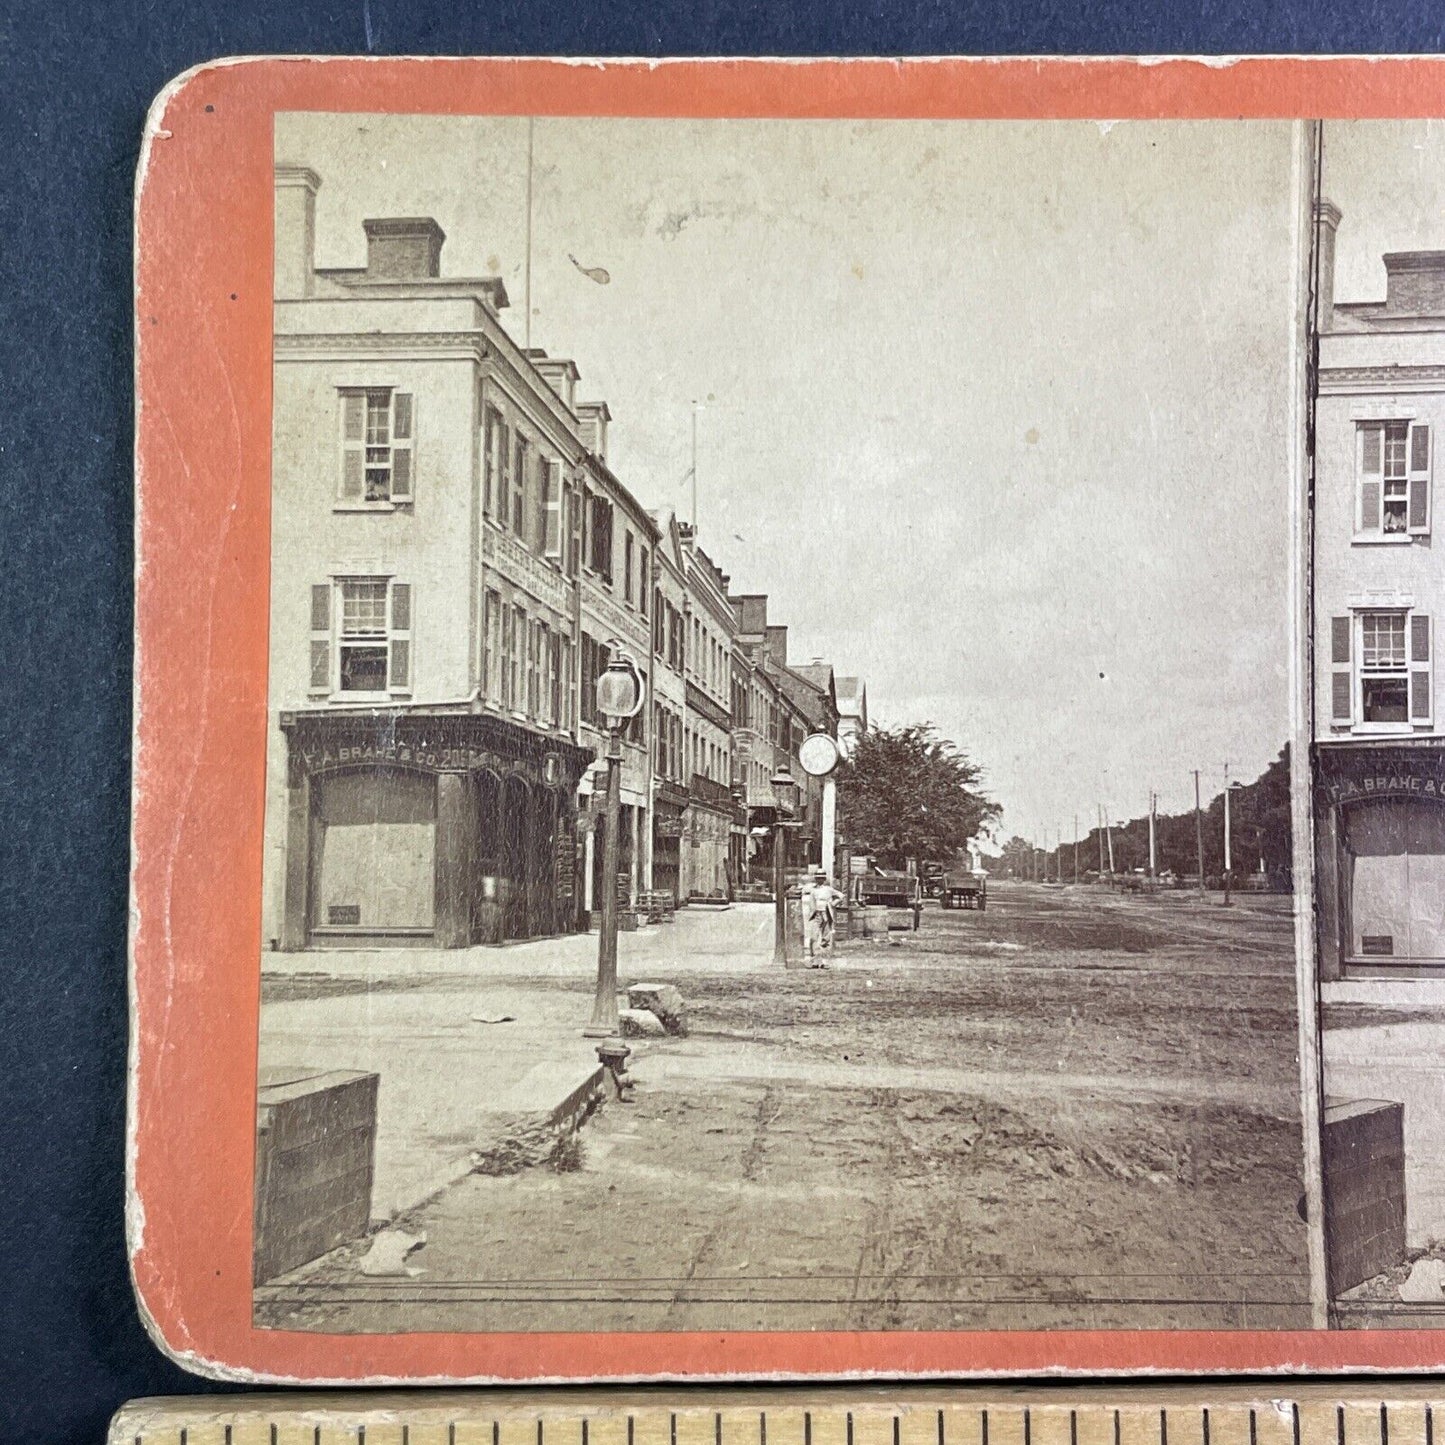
(450, 1083)
(704, 940)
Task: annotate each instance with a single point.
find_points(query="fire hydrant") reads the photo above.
(613, 1054)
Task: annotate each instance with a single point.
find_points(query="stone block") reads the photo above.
(640, 1023)
(662, 1000)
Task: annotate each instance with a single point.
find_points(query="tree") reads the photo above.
(906, 793)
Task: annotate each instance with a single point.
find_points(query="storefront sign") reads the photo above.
(1386, 785)
(416, 755)
(667, 827)
(523, 570)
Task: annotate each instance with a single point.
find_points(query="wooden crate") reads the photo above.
(315, 1158)
(1364, 1186)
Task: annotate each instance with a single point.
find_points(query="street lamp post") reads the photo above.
(785, 793)
(619, 695)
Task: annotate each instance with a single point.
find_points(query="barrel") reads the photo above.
(875, 920)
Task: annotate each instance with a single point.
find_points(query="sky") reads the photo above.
(996, 413)
(1388, 179)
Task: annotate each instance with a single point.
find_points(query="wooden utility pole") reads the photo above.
(1228, 857)
(1076, 849)
(1101, 840)
(1198, 831)
(1109, 837)
(1153, 868)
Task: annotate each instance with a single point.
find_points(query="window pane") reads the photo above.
(363, 608)
(378, 418)
(1382, 638)
(1386, 699)
(363, 669)
(1395, 435)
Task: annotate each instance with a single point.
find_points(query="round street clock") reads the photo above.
(819, 754)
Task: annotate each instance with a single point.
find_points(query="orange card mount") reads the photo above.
(520, 990)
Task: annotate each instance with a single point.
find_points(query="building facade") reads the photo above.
(423, 760)
(615, 578)
(711, 815)
(852, 697)
(1379, 588)
(670, 795)
(1379, 746)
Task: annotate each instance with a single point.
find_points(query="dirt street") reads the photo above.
(1076, 1110)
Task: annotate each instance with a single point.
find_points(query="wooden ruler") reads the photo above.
(1289, 1413)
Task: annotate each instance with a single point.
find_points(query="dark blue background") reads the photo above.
(77, 79)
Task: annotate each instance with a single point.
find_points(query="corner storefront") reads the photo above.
(427, 827)
(1380, 859)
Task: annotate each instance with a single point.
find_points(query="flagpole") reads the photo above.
(527, 325)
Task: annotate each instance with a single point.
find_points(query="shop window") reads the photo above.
(363, 626)
(377, 446)
(1393, 495)
(375, 862)
(1395, 883)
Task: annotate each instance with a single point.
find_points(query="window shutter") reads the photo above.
(552, 531)
(401, 446)
(504, 475)
(321, 637)
(1421, 690)
(1342, 696)
(1418, 521)
(1372, 476)
(353, 446)
(399, 673)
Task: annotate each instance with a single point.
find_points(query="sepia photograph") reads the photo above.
(1379, 758)
(778, 777)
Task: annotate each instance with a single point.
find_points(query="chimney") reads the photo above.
(1327, 223)
(403, 248)
(560, 374)
(295, 232)
(752, 613)
(778, 645)
(594, 416)
(1415, 283)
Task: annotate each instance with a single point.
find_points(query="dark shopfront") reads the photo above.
(1380, 859)
(427, 828)
(668, 805)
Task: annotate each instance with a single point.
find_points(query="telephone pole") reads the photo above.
(1153, 869)
(1228, 858)
(1109, 837)
(694, 472)
(1198, 831)
(1101, 840)
(1076, 850)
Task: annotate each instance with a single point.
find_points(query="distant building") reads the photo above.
(707, 852)
(852, 697)
(618, 539)
(670, 795)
